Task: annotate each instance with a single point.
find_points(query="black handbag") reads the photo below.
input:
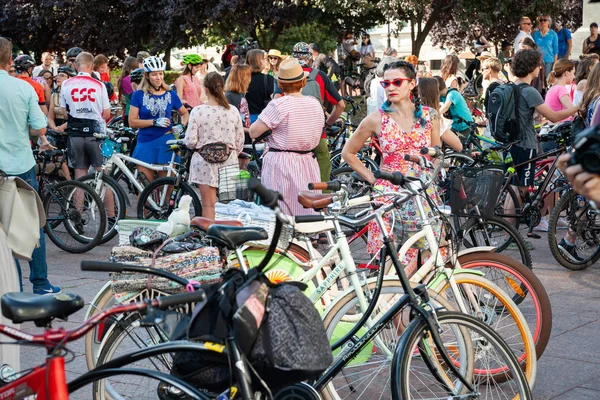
(276, 327)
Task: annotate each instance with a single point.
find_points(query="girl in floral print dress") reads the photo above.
(403, 126)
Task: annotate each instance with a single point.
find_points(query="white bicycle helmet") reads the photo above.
(153, 63)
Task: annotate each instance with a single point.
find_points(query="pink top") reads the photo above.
(192, 91)
(553, 97)
(296, 122)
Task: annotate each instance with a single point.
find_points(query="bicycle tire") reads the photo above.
(496, 307)
(416, 337)
(489, 229)
(529, 292)
(337, 321)
(93, 339)
(114, 213)
(145, 211)
(169, 381)
(71, 216)
(584, 232)
(337, 162)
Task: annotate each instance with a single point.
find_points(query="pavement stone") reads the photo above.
(568, 369)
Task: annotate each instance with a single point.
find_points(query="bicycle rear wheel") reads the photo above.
(75, 216)
(154, 200)
(416, 353)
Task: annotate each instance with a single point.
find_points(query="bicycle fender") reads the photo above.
(440, 278)
(91, 308)
(472, 250)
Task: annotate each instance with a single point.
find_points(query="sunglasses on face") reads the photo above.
(396, 82)
(477, 30)
(273, 58)
(544, 20)
(12, 71)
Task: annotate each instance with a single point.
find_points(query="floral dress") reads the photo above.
(395, 143)
(212, 124)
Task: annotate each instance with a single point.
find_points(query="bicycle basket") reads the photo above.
(233, 184)
(475, 191)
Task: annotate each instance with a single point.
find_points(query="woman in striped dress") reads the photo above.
(296, 122)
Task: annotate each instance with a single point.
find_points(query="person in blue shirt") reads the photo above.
(150, 112)
(454, 104)
(565, 40)
(21, 116)
(547, 41)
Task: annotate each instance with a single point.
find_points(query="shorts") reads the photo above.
(526, 172)
(83, 152)
(155, 151)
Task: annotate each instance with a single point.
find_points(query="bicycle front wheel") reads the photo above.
(460, 334)
(75, 216)
(154, 200)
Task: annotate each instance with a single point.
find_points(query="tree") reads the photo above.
(499, 20)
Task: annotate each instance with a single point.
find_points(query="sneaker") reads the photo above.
(543, 226)
(47, 290)
(569, 250)
(562, 223)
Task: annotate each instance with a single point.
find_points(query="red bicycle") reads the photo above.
(48, 381)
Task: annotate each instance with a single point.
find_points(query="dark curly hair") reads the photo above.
(524, 62)
(410, 72)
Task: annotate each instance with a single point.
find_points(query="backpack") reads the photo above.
(312, 87)
(503, 113)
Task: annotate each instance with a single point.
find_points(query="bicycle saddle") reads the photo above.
(23, 307)
(233, 236)
(205, 223)
(314, 200)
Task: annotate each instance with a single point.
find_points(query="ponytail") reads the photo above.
(213, 82)
(551, 78)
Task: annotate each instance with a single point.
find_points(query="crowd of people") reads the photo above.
(293, 99)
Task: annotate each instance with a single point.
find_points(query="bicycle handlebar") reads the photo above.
(395, 178)
(331, 185)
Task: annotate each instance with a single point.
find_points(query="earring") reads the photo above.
(411, 97)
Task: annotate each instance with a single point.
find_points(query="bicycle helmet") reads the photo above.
(301, 51)
(74, 52)
(67, 70)
(193, 59)
(137, 75)
(24, 62)
(154, 63)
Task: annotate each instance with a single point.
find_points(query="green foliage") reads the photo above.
(171, 76)
(312, 32)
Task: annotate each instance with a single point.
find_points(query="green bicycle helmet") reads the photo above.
(193, 59)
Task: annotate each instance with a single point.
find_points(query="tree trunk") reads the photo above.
(419, 37)
(167, 57)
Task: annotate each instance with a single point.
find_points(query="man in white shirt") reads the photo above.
(47, 59)
(86, 103)
(525, 31)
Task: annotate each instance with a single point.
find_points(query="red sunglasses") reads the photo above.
(396, 82)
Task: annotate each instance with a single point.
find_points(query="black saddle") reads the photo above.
(359, 178)
(23, 307)
(233, 236)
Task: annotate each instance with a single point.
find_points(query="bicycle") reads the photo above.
(49, 381)
(449, 373)
(75, 214)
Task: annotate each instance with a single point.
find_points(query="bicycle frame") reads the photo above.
(119, 161)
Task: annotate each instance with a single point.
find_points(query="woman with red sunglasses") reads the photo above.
(403, 126)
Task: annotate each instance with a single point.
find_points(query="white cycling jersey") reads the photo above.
(84, 97)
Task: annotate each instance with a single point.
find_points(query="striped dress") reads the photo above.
(297, 124)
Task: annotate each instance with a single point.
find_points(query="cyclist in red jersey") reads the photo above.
(24, 65)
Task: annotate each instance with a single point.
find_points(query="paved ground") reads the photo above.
(568, 370)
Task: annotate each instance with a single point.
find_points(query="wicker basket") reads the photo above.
(250, 214)
(126, 226)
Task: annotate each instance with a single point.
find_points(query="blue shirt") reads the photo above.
(153, 107)
(19, 109)
(563, 35)
(548, 44)
(461, 115)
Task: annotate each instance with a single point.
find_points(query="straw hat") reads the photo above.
(485, 55)
(274, 53)
(290, 71)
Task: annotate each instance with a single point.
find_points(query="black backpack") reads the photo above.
(503, 113)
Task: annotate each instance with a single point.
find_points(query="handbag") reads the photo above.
(21, 214)
(215, 153)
